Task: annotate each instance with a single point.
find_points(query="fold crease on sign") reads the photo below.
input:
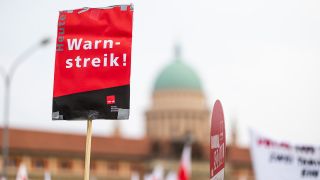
(123, 7)
(93, 63)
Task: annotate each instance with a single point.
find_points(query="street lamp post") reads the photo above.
(8, 76)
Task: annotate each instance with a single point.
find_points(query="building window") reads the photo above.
(113, 166)
(135, 168)
(14, 161)
(65, 164)
(93, 165)
(39, 163)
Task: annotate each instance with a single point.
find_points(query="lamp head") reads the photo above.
(45, 41)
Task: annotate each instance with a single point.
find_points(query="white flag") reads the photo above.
(148, 177)
(172, 176)
(157, 173)
(135, 176)
(47, 176)
(22, 173)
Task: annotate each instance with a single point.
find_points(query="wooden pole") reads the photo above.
(88, 151)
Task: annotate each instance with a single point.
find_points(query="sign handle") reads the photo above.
(88, 150)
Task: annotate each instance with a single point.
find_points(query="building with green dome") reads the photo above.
(178, 113)
(178, 104)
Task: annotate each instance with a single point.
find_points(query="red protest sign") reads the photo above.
(93, 60)
(217, 143)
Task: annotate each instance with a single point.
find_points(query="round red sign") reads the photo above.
(217, 143)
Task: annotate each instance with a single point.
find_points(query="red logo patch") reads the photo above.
(111, 99)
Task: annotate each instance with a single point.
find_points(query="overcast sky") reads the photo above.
(261, 58)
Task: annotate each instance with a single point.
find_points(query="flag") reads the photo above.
(22, 172)
(135, 176)
(47, 176)
(185, 163)
(148, 177)
(171, 176)
(157, 173)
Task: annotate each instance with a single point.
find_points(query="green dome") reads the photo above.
(178, 75)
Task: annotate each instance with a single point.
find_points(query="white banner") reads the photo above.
(275, 160)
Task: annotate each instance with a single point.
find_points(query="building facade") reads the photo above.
(178, 105)
(62, 155)
(179, 113)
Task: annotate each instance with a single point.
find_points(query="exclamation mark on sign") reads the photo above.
(124, 59)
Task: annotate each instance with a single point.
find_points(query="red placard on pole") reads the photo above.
(217, 143)
(92, 67)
